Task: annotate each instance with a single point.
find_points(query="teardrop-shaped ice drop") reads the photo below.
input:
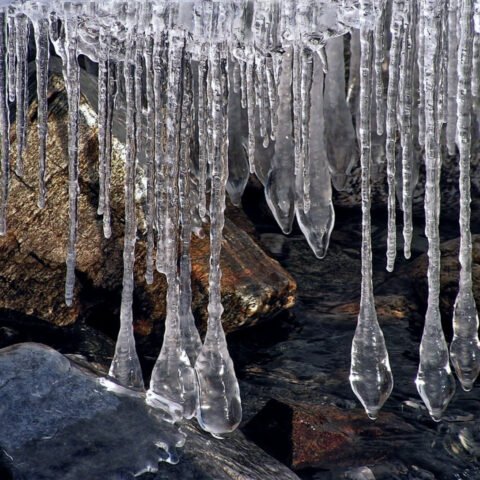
(435, 382)
(370, 374)
(465, 346)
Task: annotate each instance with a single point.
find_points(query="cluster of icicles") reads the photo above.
(217, 90)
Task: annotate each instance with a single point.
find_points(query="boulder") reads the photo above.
(32, 254)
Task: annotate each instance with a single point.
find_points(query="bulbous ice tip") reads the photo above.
(436, 415)
(372, 413)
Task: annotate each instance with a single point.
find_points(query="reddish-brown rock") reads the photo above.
(32, 260)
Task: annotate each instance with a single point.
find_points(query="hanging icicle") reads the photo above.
(4, 127)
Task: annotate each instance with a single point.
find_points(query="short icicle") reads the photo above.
(465, 346)
(370, 374)
(435, 382)
(219, 406)
(125, 367)
(42, 45)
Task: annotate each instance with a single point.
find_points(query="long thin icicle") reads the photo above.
(452, 76)
(11, 57)
(125, 367)
(4, 128)
(370, 374)
(435, 381)
(42, 58)
(465, 346)
(72, 83)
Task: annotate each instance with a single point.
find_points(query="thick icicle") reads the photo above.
(4, 128)
(42, 46)
(125, 367)
(219, 407)
(435, 381)
(190, 337)
(340, 154)
(391, 127)
(173, 382)
(280, 186)
(370, 374)
(317, 222)
(202, 136)
(465, 346)
(21, 47)
(71, 76)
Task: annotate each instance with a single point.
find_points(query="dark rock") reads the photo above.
(34, 250)
(324, 436)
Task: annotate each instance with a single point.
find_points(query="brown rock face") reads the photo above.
(32, 254)
(450, 269)
(311, 435)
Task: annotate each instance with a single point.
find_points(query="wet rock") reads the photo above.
(450, 268)
(323, 436)
(32, 254)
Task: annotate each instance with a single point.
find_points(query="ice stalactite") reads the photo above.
(405, 122)
(72, 84)
(340, 155)
(391, 126)
(370, 374)
(4, 127)
(280, 187)
(465, 346)
(219, 408)
(379, 58)
(173, 384)
(42, 45)
(125, 368)
(452, 76)
(150, 155)
(11, 42)
(202, 136)
(317, 222)
(435, 381)
(21, 86)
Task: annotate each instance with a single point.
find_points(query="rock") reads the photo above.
(449, 275)
(33, 252)
(58, 422)
(324, 436)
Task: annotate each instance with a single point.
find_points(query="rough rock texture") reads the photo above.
(32, 254)
(449, 275)
(307, 435)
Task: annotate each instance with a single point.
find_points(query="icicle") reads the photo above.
(21, 29)
(317, 221)
(202, 137)
(173, 383)
(71, 77)
(391, 127)
(465, 346)
(272, 95)
(452, 76)
(150, 154)
(379, 40)
(340, 154)
(190, 338)
(297, 110)
(421, 82)
(406, 106)
(280, 186)
(250, 74)
(125, 367)
(11, 57)
(42, 59)
(306, 80)
(4, 128)
(370, 374)
(102, 118)
(219, 408)
(435, 381)
(109, 105)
